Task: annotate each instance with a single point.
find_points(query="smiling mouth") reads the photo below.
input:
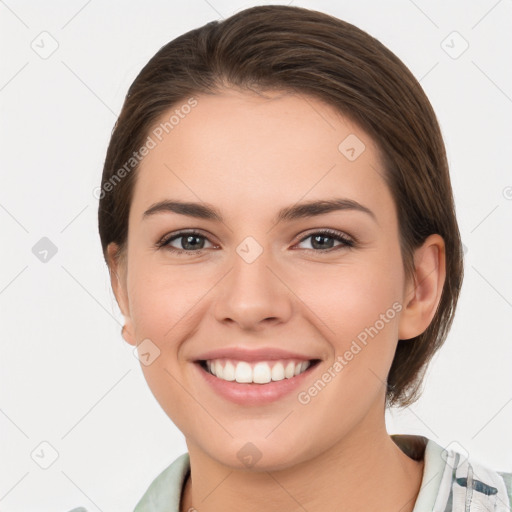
(261, 372)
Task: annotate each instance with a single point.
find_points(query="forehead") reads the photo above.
(245, 151)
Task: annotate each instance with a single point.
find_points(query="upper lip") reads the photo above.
(244, 354)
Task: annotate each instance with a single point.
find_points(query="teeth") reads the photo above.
(229, 371)
(261, 372)
(243, 372)
(290, 370)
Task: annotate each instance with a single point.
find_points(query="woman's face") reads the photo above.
(258, 280)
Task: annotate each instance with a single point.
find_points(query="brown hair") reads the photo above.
(303, 51)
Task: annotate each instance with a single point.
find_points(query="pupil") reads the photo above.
(189, 240)
(321, 237)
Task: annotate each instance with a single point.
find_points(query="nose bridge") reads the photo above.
(252, 292)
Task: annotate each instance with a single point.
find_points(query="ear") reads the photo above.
(422, 296)
(117, 270)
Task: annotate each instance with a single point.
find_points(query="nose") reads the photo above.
(254, 294)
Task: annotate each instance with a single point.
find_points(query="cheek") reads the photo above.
(162, 295)
(162, 299)
(361, 307)
(360, 304)
(351, 297)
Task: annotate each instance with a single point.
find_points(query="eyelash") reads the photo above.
(347, 243)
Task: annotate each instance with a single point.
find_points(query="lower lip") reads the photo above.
(255, 394)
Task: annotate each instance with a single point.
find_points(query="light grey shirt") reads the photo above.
(451, 482)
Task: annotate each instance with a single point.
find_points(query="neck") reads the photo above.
(366, 470)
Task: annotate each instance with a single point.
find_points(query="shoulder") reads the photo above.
(466, 483)
(164, 493)
(507, 478)
(453, 481)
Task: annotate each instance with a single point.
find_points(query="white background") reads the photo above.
(69, 379)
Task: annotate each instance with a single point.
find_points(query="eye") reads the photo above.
(322, 240)
(191, 242)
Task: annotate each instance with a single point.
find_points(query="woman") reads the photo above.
(278, 220)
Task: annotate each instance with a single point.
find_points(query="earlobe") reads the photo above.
(127, 333)
(422, 296)
(118, 283)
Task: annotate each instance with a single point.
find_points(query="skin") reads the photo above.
(250, 155)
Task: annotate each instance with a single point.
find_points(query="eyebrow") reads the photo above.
(289, 213)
